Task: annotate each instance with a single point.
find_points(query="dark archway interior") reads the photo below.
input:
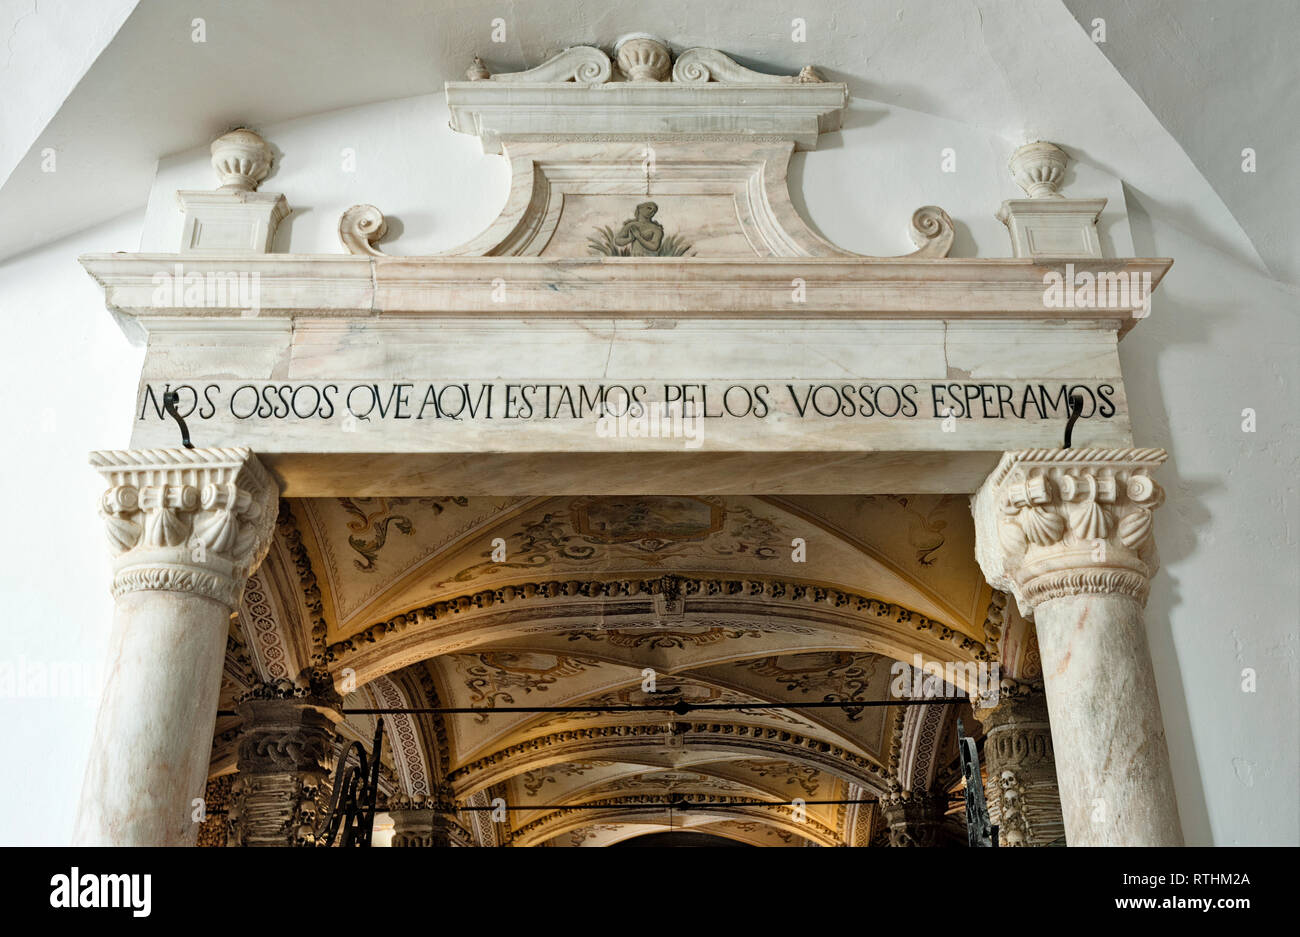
(677, 838)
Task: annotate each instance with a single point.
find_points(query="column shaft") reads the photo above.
(1116, 783)
(145, 767)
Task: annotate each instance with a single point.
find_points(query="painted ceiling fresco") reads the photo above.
(383, 556)
(501, 603)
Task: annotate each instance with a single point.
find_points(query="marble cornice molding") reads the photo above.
(1059, 522)
(196, 521)
(291, 286)
(706, 95)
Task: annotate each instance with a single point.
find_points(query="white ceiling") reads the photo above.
(1023, 69)
(1220, 76)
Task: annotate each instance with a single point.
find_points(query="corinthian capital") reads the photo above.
(1057, 522)
(186, 520)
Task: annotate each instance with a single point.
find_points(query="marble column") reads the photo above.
(185, 526)
(286, 755)
(1021, 791)
(1069, 533)
(914, 818)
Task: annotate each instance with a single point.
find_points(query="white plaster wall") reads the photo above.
(69, 380)
(1222, 338)
(48, 48)
(438, 188)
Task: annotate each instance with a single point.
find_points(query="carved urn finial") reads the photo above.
(643, 57)
(1038, 168)
(242, 159)
(477, 71)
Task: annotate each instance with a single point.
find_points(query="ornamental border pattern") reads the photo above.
(741, 732)
(655, 802)
(156, 578)
(286, 526)
(1010, 459)
(754, 587)
(257, 613)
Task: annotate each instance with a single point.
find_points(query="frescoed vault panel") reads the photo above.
(930, 539)
(364, 545)
(838, 580)
(827, 676)
(382, 557)
(506, 678)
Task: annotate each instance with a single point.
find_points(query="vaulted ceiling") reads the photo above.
(502, 604)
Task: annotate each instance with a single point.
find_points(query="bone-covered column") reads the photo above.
(1069, 533)
(1022, 792)
(914, 818)
(286, 753)
(186, 527)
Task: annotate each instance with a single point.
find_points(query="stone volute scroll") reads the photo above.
(360, 227)
(705, 65)
(592, 143)
(582, 64)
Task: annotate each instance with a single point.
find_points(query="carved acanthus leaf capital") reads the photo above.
(1057, 522)
(186, 520)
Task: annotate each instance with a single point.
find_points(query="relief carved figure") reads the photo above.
(640, 236)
